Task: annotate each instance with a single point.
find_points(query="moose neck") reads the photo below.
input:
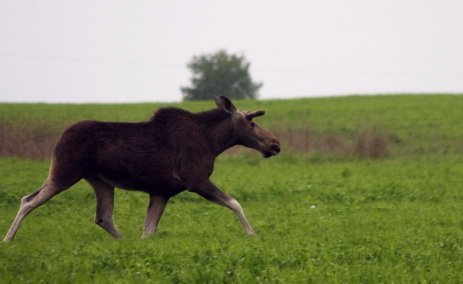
(220, 133)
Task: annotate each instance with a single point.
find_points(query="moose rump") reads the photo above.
(173, 151)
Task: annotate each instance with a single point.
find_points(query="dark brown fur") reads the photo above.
(174, 151)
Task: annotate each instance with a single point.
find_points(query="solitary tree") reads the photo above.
(220, 73)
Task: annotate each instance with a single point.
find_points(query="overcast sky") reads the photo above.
(124, 51)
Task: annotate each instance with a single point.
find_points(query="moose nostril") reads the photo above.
(276, 148)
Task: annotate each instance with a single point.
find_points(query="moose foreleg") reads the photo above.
(153, 214)
(209, 191)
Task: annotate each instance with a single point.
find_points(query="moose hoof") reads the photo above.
(251, 233)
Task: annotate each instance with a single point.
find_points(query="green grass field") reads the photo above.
(320, 217)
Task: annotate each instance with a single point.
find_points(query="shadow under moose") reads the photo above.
(174, 151)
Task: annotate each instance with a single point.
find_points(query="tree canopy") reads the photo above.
(220, 73)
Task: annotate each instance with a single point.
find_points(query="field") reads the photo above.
(367, 190)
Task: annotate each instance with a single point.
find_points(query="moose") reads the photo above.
(174, 151)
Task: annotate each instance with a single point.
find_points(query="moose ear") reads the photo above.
(225, 104)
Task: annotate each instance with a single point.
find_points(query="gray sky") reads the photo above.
(121, 51)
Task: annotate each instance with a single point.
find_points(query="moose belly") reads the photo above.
(150, 181)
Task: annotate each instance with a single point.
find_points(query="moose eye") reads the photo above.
(252, 124)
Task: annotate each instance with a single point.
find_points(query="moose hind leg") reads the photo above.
(104, 206)
(29, 203)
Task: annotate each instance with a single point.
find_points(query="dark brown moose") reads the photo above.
(170, 153)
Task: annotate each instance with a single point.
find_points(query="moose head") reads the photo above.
(248, 132)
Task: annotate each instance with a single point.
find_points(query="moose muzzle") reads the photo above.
(273, 149)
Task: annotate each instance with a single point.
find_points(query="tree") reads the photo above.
(220, 73)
